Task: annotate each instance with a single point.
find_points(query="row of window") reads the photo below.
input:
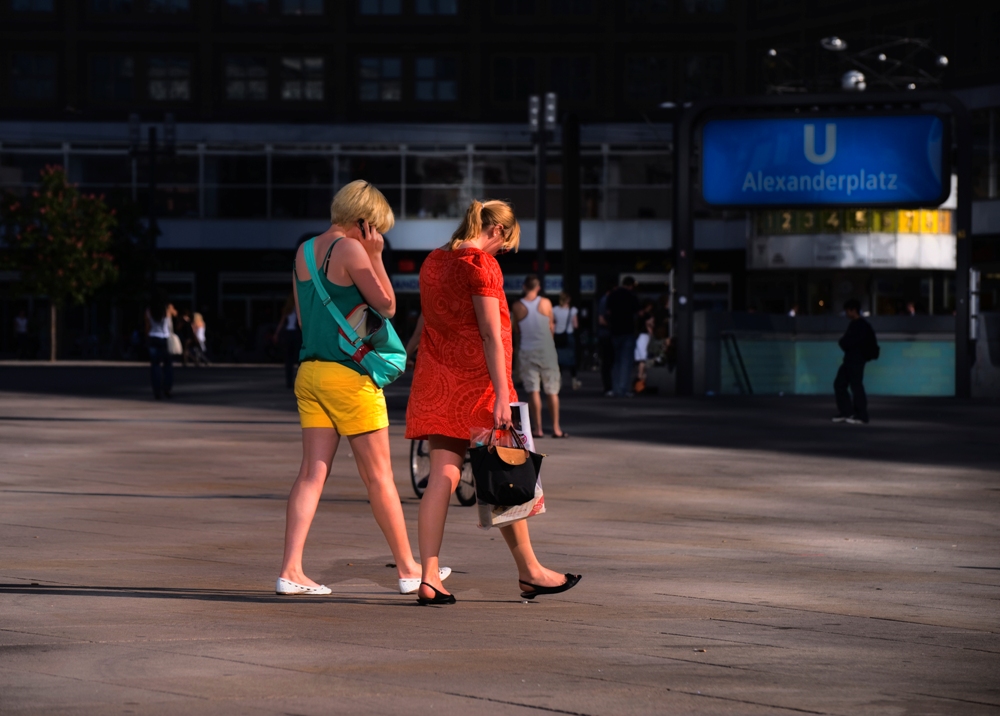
(626, 184)
(382, 79)
(501, 8)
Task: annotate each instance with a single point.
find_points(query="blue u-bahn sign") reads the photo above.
(895, 160)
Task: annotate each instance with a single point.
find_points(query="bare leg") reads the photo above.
(553, 401)
(528, 567)
(447, 455)
(535, 412)
(319, 445)
(371, 452)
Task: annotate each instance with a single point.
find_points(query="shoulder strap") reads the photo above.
(345, 327)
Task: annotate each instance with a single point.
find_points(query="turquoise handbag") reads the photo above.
(379, 353)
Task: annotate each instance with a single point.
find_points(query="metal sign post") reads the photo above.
(542, 120)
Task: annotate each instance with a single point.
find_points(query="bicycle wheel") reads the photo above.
(466, 490)
(420, 465)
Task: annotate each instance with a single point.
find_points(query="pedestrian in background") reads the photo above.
(642, 354)
(567, 321)
(159, 328)
(463, 381)
(199, 349)
(335, 396)
(289, 336)
(534, 323)
(860, 346)
(605, 348)
(623, 307)
(21, 340)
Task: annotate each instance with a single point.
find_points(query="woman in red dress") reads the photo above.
(462, 380)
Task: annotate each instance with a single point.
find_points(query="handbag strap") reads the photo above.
(345, 327)
(514, 433)
(569, 315)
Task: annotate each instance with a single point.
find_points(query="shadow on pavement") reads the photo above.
(912, 430)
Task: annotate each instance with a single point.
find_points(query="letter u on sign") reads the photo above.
(809, 144)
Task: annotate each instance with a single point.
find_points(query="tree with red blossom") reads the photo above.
(59, 240)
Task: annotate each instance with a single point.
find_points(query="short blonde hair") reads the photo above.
(483, 215)
(361, 200)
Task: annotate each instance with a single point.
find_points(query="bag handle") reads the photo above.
(345, 328)
(517, 437)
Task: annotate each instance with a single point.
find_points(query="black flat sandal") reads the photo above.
(571, 581)
(438, 598)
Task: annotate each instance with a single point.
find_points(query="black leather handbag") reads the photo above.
(505, 476)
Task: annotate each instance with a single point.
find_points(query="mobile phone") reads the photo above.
(361, 225)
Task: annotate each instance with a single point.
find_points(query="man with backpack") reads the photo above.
(860, 346)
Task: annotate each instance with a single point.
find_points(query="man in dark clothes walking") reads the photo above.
(859, 346)
(622, 309)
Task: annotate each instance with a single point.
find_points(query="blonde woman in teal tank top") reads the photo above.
(335, 397)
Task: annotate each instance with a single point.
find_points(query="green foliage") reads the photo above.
(58, 239)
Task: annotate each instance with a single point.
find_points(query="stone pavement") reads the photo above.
(740, 556)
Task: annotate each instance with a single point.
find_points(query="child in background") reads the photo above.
(642, 354)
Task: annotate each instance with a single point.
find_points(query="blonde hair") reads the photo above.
(361, 200)
(484, 215)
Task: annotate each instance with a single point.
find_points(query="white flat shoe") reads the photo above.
(285, 586)
(409, 586)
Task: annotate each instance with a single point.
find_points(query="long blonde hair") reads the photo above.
(483, 215)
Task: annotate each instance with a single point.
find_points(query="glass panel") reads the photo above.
(247, 7)
(246, 78)
(572, 7)
(170, 6)
(648, 79)
(111, 6)
(169, 79)
(302, 7)
(302, 78)
(111, 77)
(33, 77)
(431, 203)
(379, 170)
(301, 203)
(703, 75)
(436, 169)
(32, 5)
(513, 78)
(571, 78)
(437, 7)
(707, 7)
(25, 169)
(101, 170)
(302, 171)
(655, 169)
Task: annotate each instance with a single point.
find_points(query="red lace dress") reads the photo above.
(452, 391)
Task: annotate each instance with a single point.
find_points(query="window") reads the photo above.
(111, 78)
(246, 78)
(646, 8)
(703, 75)
(169, 6)
(169, 79)
(33, 77)
(302, 79)
(571, 78)
(703, 7)
(380, 79)
(380, 7)
(572, 7)
(513, 78)
(247, 7)
(436, 79)
(32, 5)
(647, 79)
(437, 7)
(302, 7)
(111, 7)
(509, 8)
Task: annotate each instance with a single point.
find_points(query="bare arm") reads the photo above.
(414, 342)
(545, 308)
(576, 321)
(364, 266)
(488, 317)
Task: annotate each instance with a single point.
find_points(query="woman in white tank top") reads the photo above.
(536, 355)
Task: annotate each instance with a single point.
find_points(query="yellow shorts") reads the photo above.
(331, 395)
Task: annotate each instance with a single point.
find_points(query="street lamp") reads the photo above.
(541, 120)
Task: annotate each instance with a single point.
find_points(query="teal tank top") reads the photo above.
(319, 330)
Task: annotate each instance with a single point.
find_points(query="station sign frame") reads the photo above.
(819, 118)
